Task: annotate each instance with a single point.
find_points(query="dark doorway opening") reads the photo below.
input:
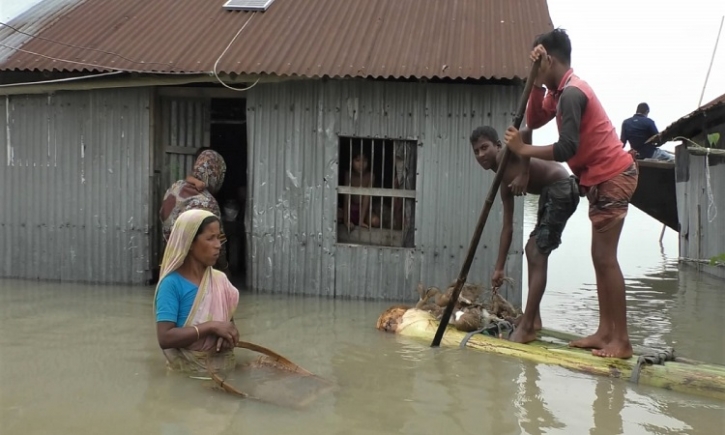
(228, 133)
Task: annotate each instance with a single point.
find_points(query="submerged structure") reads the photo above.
(700, 181)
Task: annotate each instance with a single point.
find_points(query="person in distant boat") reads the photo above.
(194, 304)
(558, 200)
(637, 130)
(356, 208)
(607, 174)
(196, 192)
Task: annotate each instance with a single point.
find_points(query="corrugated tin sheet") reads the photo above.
(293, 131)
(701, 206)
(718, 100)
(32, 22)
(184, 129)
(470, 39)
(694, 122)
(75, 171)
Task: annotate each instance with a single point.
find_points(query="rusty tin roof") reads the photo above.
(454, 39)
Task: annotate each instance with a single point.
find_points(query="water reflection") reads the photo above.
(697, 317)
(365, 372)
(534, 416)
(196, 406)
(607, 407)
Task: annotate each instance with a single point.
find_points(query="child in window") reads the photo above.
(356, 208)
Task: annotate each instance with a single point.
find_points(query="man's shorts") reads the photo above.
(557, 202)
(609, 200)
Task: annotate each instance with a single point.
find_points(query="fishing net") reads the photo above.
(270, 378)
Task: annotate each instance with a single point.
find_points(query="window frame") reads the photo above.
(377, 192)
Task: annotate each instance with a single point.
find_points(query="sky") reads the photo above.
(633, 51)
(629, 51)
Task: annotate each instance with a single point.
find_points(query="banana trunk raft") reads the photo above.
(658, 369)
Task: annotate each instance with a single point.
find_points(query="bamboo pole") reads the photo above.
(493, 190)
(712, 60)
(682, 375)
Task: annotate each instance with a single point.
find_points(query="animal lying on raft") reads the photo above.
(470, 312)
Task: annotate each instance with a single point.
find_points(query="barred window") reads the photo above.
(376, 192)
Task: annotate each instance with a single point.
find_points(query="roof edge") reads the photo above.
(119, 79)
(694, 122)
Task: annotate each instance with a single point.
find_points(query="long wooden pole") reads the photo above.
(712, 59)
(702, 94)
(463, 275)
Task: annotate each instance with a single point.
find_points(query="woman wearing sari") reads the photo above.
(196, 192)
(195, 304)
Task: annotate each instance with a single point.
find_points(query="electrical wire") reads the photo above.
(81, 47)
(112, 68)
(116, 70)
(225, 52)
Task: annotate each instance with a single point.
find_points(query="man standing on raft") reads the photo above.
(607, 174)
(558, 199)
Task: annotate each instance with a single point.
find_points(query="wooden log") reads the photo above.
(682, 375)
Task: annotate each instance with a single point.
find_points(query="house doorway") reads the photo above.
(191, 119)
(229, 138)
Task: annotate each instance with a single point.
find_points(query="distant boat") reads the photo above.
(655, 193)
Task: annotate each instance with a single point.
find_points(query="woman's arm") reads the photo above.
(167, 312)
(172, 337)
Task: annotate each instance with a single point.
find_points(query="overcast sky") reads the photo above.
(630, 51)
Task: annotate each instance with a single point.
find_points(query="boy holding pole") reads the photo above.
(607, 174)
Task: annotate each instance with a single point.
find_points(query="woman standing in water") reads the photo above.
(196, 193)
(194, 304)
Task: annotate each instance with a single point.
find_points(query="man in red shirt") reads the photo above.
(607, 174)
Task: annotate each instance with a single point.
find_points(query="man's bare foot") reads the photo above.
(615, 349)
(537, 324)
(523, 335)
(595, 341)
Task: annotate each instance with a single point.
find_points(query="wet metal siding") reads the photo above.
(293, 130)
(701, 206)
(75, 171)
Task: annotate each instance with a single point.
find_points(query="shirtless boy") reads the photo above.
(356, 208)
(559, 198)
(608, 175)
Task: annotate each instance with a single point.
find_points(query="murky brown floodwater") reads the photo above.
(79, 359)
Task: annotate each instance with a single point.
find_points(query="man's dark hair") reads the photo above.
(485, 132)
(557, 44)
(642, 108)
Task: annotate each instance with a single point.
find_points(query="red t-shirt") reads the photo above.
(588, 141)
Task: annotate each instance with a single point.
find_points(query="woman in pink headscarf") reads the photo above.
(195, 304)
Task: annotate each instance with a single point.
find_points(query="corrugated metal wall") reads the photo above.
(75, 175)
(293, 131)
(701, 206)
(184, 129)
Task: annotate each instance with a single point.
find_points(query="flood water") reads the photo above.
(79, 359)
